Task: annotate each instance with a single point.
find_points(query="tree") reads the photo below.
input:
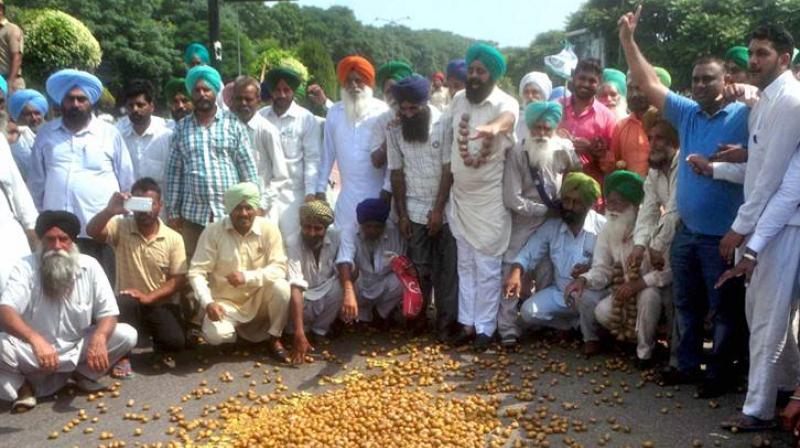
(320, 67)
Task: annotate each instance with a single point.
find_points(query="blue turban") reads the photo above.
(204, 73)
(549, 111)
(3, 85)
(457, 68)
(196, 49)
(490, 57)
(22, 98)
(60, 83)
(414, 89)
(372, 210)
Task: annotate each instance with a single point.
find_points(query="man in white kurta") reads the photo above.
(17, 215)
(480, 124)
(301, 140)
(47, 338)
(351, 132)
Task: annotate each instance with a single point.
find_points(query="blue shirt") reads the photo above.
(705, 205)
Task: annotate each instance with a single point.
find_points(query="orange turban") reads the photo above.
(360, 65)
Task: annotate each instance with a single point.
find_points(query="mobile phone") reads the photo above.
(139, 204)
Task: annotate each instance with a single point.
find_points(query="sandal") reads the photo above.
(747, 423)
(23, 404)
(277, 351)
(122, 370)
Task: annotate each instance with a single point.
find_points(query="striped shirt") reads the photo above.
(203, 164)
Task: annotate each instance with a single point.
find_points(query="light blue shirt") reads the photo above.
(554, 238)
(78, 172)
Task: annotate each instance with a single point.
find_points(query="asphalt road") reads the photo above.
(617, 403)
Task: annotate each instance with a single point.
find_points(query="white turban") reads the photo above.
(540, 80)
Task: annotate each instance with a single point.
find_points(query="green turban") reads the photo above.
(243, 192)
(588, 188)
(617, 79)
(628, 184)
(196, 49)
(490, 56)
(739, 55)
(275, 75)
(316, 211)
(175, 86)
(549, 111)
(396, 70)
(663, 76)
(204, 73)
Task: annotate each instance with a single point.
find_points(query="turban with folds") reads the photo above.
(360, 65)
(540, 80)
(457, 68)
(60, 83)
(65, 221)
(438, 75)
(175, 86)
(27, 97)
(739, 55)
(663, 76)
(372, 210)
(628, 184)
(242, 192)
(491, 58)
(549, 111)
(196, 49)
(617, 79)
(414, 89)
(289, 76)
(204, 73)
(396, 70)
(316, 211)
(587, 187)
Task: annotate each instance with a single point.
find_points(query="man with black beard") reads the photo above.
(531, 181)
(79, 161)
(59, 318)
(419, 163)
(178, 100)
(569, 242)
(316, 293)
(146, 135)
(151, 263)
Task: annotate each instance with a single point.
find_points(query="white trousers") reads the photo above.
(270, 319)
(649, 304)
(318, 315)
(18, 363)
(389, 299)
(547, 309)
(770, 306)
(480, 284)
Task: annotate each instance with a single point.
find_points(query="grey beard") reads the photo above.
(620, 225)
(540, 153)
(57, 271)
(356, 108)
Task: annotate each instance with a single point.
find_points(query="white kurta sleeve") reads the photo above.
(780, 209)
(312, 152)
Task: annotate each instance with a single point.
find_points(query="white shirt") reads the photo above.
(655, 228)
(22, 150)
(314, 277)
(774, 137)
(140, 146)
(265, 143)
(78, 172)
(17, 213)
(782, 208)
(555, 240)
(63, 323)
(301, 140)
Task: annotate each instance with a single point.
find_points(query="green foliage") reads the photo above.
(320, 66)
(56, 40)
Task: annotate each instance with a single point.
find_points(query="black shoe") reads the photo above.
(672, 377)
(482, 343)
(711, 388)
(463, 338)
(645, 364)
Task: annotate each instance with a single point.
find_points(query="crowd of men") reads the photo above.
(615, 209)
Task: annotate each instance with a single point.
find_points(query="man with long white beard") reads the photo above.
(28, 109)
(479, 126)
(59, 317)
(533, 87)
(624, 192)
(351, 132)
(531, 181)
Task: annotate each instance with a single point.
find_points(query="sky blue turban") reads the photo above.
(549, 111)
(457, 68)
(414, 89)
(203, 73)
(196, 49)
(3, 85)
(372, 210)
(60, 83)
(22, 98)
(490, 56)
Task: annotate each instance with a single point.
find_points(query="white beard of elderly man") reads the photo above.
(47, 309)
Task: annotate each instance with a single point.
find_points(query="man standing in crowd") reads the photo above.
(238, 275)
(706, 208)
(419, 164)
(456, 76)
(11, 49)
(480, 129)
(210, 152)
(736, 61)
(67, 327)
(179, 101)
(28, 109)
(533, 87)
(301, 140)
(440, 95)
(142, 131)
(79, 161)
(613, 92)
(17, 215)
